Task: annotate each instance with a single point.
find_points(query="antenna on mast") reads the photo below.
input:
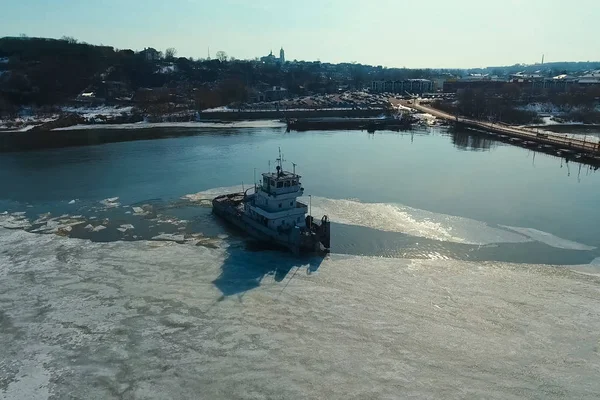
(280, 160)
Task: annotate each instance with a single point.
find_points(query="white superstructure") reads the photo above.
(274, 203)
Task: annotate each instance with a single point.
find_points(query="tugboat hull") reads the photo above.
(314, 238)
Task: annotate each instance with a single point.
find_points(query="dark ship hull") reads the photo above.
(369, 124)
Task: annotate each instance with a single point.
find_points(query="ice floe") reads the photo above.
(111, 202)
(549, 239)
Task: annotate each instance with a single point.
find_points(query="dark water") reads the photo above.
(419, 194)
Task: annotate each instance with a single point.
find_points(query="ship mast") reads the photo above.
(280, 161)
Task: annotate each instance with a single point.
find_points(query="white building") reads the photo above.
(591, 78)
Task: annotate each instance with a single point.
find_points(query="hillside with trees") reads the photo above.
(44, 73)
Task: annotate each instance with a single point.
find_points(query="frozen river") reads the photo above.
(460, 268)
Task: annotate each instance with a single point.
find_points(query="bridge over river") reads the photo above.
(581, 150)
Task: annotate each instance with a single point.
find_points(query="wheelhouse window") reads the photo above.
(272, 182)
(266, 181)
(294, 183)
(279, 184)
(287, 183)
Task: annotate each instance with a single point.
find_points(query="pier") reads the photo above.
(369, 124)
(581, 150)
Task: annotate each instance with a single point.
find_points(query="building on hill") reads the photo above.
(473, 81)
(126, 52)
(255, 96)
(561, 82)
(269, 59)
(413, 86)
(89, 97)
(276, 93)
(151, 54)
(591, 78)
(526, 81)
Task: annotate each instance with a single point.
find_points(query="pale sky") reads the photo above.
(393, 33)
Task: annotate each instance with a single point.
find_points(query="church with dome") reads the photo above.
(271, 59)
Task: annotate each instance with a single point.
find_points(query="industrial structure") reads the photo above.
(536, 81)
(407, 86)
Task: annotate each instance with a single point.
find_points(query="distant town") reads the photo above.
(60, 82)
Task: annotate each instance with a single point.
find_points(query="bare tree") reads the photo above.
(221, 56)
(170, 53)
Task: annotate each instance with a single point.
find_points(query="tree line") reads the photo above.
(45, 71)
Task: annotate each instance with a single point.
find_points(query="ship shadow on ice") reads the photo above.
(247, 266)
